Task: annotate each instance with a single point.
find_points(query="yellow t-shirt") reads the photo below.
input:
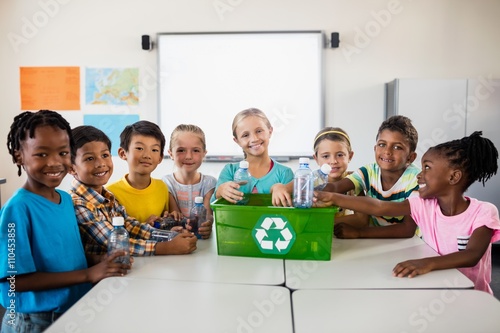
(141, 204)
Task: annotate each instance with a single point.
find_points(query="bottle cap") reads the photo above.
(304, 160)
(198, 200)
(244, 164)
(326, 169)
(118, 221)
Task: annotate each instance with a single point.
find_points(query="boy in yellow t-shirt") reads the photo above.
(145, 198)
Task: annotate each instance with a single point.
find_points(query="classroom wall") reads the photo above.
(380, 40)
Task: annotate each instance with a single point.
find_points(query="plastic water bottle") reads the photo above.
(198, 215)
(119, 240)
(303, 185)
(163, 235)
(321, 177)
(243, 178)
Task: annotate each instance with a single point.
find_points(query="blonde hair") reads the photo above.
(187, 128)
(249, 113)
(332, 134)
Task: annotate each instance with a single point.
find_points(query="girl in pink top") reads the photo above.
(459, 228)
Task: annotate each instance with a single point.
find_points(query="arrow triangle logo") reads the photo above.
(273, 234)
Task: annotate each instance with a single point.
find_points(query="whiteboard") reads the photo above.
(207, 78)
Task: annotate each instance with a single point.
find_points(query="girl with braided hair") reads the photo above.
(43, 268)
(459, 228)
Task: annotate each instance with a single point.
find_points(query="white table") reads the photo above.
(397, 311)
(206, 265)
(368, 264)
(140, 305)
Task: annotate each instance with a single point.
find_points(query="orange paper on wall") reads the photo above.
(53, 88)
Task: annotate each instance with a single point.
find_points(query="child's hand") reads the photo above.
(107, 268)
(323, 199)
(152, 219)
(184, 228)
(412, 268)
(344, 230)
(106, 257)
(180, 229)
(229, 191)
(174, 214)
(183, 243)
(281, 196)
(205, 230)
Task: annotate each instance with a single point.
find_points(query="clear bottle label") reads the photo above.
(303, 187)
(163, 235)
(119, 241)
(303, 193)
(243, 178)
(197, 217)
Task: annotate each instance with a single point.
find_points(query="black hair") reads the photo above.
(142, 127)
(402, 125)
(85, 134)
(475, 155)
(25, 124)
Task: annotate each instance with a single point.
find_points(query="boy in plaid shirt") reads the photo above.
(95, 206)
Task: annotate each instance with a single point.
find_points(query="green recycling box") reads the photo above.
(259, 229)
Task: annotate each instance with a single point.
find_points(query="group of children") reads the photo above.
(388, 198)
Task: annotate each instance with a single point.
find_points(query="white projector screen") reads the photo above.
(207, 78)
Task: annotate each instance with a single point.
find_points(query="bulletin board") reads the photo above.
(207, 78)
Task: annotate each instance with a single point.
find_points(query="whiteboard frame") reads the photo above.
(301, 148)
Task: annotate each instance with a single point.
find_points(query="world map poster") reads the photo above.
(112, 86)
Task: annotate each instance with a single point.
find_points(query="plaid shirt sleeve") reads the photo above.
(95, 227)
(94, 231)
(139, 233)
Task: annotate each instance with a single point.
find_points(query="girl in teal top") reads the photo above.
(252, 132)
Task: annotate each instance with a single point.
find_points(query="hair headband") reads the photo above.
(333, 132)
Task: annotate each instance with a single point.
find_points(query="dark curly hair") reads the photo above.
(24, 126)
(402, 125)
(474, 155)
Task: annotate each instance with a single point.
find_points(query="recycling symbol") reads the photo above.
(273, 234)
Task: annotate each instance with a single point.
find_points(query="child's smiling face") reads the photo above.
(336, 154)
(143, 155)
(253, 135)
(436, 175)
(392, 151)
(187, 151)
(93, 165)
(46, 157)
